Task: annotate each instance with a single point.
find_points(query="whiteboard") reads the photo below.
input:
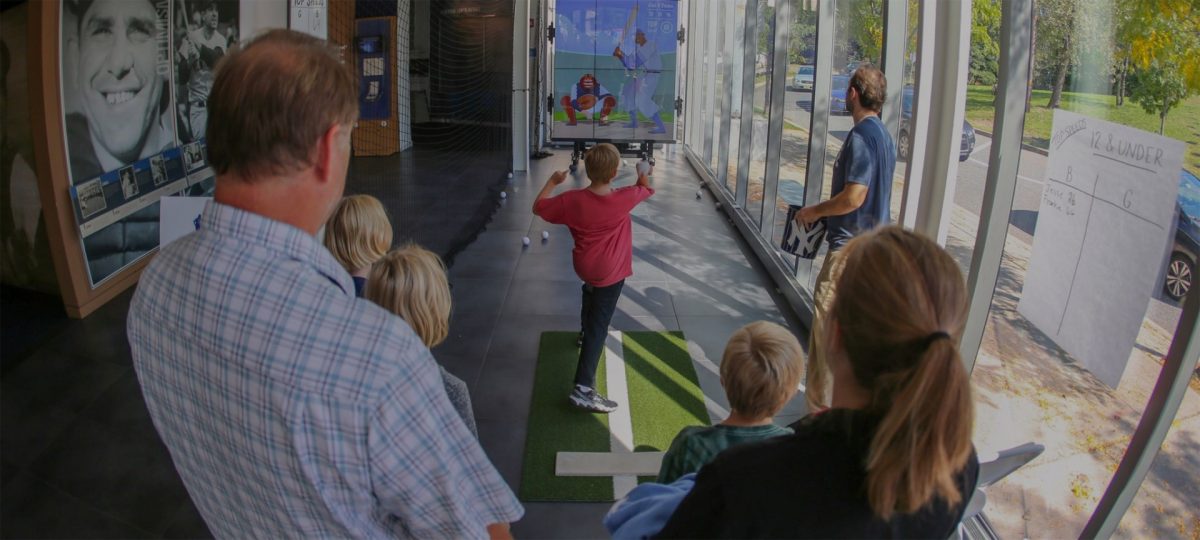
(1103, 226)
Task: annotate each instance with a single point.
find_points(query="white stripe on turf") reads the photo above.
(708, 378)
(620, 423)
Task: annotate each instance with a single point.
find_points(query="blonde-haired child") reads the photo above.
(760, 371)
(357, 234)
(411, 282)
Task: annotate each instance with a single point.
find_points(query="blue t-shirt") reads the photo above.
(868, 157)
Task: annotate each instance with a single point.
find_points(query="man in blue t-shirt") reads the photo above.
(861, 201)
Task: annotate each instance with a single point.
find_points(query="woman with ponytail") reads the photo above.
(892, 457)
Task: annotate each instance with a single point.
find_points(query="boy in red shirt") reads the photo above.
(598, 217)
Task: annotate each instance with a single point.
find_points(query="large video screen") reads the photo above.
(614, 70)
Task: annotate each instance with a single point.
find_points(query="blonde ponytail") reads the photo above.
(900, 308)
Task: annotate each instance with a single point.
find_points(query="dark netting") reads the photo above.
(440, 162)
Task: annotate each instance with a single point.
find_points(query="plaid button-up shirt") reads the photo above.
(292, 409)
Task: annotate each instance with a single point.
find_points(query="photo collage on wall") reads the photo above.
(136, 75)
(615, 70)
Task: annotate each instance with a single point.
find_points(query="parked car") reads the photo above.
(803, 79)
(852, 66)
(1181, 267)
(904, 136)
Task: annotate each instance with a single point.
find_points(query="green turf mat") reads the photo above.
(554, 426)
(662, 384)
(664, 398)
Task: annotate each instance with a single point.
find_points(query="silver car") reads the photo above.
(803, 80)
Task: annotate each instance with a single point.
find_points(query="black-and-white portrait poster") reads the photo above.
(118, 111)
(204, 31)
(115, 71)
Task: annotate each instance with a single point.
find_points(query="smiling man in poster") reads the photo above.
(119, 84)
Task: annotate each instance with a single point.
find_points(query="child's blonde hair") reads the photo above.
(761, 368)
(358, 233)
(411, 282)
(601, 163)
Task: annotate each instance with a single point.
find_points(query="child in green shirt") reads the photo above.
(760, 372)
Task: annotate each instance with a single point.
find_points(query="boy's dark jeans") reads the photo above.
(599, 304)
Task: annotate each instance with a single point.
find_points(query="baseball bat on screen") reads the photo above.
(629, 23)
(628, 26)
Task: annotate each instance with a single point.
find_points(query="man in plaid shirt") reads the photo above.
(290, 408)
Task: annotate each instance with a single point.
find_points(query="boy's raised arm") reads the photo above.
(555, 179)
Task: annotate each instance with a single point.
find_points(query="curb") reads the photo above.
(1024, 146)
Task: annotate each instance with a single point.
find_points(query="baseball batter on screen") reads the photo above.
(588, 96)
(638, 94)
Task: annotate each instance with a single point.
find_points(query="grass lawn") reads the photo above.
(1183, 123)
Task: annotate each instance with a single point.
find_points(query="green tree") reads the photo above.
(1074, 36)
(985, 49)
(1055, 41)
(1159, 90)
(766, 27)
(1164, 47)
(1122, 52)
(865, 21)
(802, 42)
(1166, 31)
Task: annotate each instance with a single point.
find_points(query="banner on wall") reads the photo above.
(136, 75)
(615, 70)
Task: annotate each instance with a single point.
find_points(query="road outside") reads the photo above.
(1028, 389)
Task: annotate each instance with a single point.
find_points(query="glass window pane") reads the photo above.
(689, 74)
(765, 46)
(857, 38)
(696, 101)
(1158, 509)
(1071, 352)
(737, 57)
(684, 61)
(703, 74)
(797, 116)
(974, 149)
(721, 56)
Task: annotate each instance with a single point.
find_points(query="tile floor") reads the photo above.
(81, 458)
